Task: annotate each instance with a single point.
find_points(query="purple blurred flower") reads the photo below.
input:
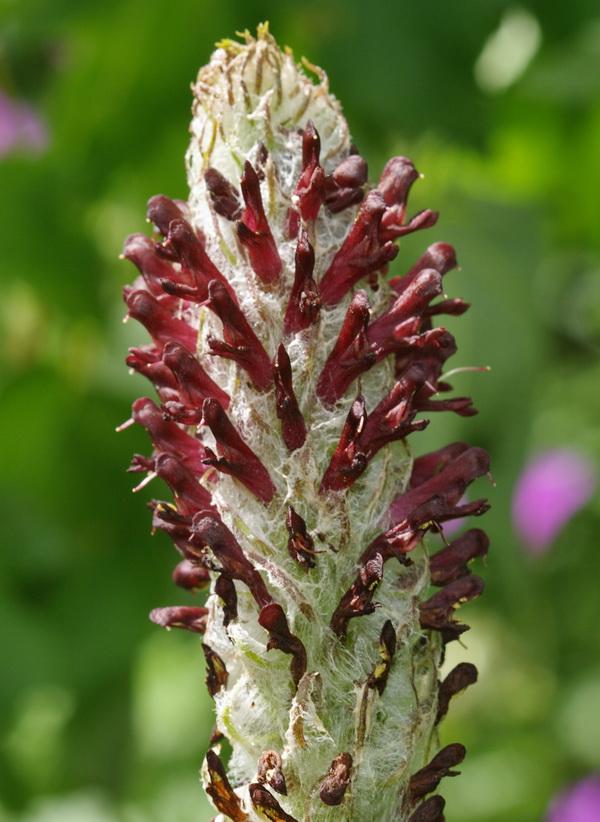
(20, 126)
(553, 486)
(580, 803)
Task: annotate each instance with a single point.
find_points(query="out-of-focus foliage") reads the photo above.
(103, 716)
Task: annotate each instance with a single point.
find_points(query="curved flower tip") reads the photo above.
(453, 527)
(552, 488)
(579, 803)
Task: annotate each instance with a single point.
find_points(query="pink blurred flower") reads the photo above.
(580, 803)
(20, 126)
(553, 486)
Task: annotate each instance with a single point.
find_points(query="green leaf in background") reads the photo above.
(103, 717)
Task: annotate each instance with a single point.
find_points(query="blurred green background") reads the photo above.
(103, 715)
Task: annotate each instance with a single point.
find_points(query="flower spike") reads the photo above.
(292, 382)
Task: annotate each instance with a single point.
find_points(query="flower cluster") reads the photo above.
(289, 374)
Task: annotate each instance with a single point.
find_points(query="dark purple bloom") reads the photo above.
(287, 366)
(272, 618)
(293, 427)
(310, 188)
(189, 617)
(254, 232)
(224, 196)
(345, 186)
(351, 355)
(362, 253)
(234, 456)
(437, 612)
(189, 494)
(451, 562)
(158, 320)
(459, 678)
(208, 529)
(240, 342)
(358, 599)
(304, 302)
(194, 385)
(191, 576)
(184, 246)
(162, 210)
(348, 460)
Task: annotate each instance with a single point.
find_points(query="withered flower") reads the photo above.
(289, 373)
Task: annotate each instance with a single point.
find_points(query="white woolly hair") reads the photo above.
(248, 94)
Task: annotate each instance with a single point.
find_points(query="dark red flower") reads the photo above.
(305, 302)
(351, 355)
(188, 617)
(293, 427)
(254, 232)
(209, 529)
(287, 366)
(240, 342)
(362, 253)
(234, 456)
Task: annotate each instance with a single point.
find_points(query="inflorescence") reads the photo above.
(289, 372)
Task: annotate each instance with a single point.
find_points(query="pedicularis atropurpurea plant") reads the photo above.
(290, 373)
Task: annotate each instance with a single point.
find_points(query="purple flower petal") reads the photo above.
(580, 803)
(553, 486)
(20, 126)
